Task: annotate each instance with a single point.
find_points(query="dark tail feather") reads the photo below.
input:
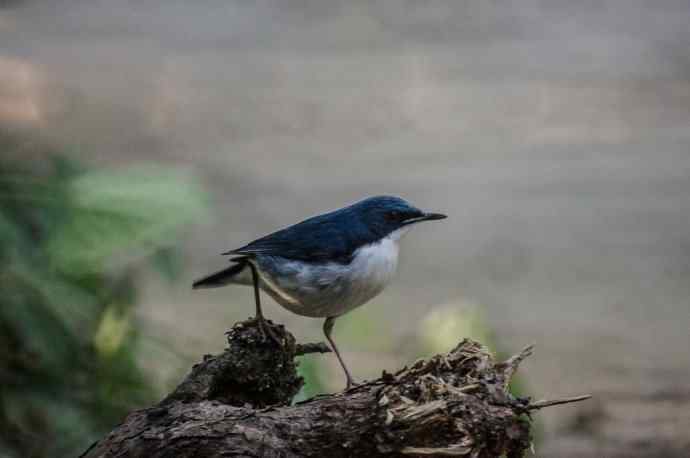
(220, 278)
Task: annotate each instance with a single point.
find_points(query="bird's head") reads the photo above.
(384, 215)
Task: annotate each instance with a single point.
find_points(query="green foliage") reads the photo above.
(310, 370)
(445, 325)
(73, 243)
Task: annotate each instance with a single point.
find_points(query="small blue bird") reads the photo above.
(326, 265)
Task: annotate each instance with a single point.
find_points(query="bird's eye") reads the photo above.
(393, 215)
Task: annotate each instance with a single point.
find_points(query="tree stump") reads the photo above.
(238, 404)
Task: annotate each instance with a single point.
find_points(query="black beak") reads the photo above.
(425, 217)
(433, 216)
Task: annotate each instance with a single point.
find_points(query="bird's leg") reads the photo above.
(327, 328)
(264, 327)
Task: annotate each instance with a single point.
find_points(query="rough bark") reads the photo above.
(237, 404)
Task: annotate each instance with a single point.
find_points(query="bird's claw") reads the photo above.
(267, 331)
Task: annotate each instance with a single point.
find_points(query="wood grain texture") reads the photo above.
(238, 404)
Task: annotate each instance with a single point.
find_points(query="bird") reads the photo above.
(326, 265)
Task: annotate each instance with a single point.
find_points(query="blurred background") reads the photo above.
(140, 139)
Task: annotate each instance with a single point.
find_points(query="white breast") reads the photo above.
(331, 289)
(373, 266)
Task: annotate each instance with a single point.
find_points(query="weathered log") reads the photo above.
(237, 404)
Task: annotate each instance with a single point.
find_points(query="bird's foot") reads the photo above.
(267, 331)
(350, 384)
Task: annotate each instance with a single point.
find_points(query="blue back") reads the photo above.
(334, 236)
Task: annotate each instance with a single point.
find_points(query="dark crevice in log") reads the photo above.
(237, 404)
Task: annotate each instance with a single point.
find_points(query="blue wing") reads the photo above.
(330, 237)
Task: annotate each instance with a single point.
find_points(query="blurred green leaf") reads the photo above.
(73, 243)
(168, 262)
(445, 325)
(309, 369)
(130, 213)
(112, 330)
